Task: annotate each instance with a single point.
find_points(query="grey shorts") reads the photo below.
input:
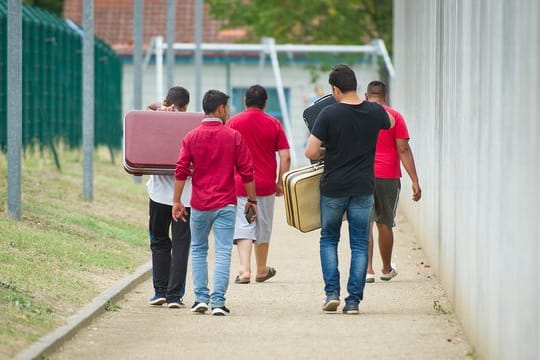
(261, 229)
(385, 202)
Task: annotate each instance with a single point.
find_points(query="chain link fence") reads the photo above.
(52, 84)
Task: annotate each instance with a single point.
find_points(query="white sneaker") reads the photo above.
(392, 274)
(199, 307)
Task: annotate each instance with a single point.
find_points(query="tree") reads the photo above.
(54, 6)
(309, 22)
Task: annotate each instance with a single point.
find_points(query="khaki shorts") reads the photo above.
(261, 229)
(385, 200)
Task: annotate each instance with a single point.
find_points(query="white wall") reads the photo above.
(468, 83)
(295, 77)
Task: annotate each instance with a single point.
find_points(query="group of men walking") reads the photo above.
(227, 177)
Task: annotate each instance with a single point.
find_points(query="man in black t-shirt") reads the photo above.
(349, 129)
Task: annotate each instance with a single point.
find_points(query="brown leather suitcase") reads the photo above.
(302, 197)
(152, 140)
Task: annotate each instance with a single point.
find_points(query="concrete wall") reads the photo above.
(468, 83)
(216, 76)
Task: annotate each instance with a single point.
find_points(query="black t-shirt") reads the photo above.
(350, 134)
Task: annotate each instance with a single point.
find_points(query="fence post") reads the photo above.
(198, 23)
(171, 22)
(14, 110)
(88, 98)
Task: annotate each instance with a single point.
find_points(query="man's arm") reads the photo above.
(392, 120)
(284, 166)
(407, 159)
(180, 175)
(160, 107)
(154, 106)
(178, 209)
(252, 199)
(313, 148)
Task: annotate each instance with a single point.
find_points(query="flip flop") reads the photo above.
(240, 280)
(271, 272)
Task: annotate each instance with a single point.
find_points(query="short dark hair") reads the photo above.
(177, 96)
(376, 88)
(256, 96)
(343, 77)
(212, 100)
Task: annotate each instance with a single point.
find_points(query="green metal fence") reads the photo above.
(52, 83)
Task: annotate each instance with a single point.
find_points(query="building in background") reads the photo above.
(228, 71)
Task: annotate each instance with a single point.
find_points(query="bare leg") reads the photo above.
(386, 243)
(261, 256)
(370, 251)
(244, 254)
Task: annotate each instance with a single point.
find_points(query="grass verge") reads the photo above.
(65, 251)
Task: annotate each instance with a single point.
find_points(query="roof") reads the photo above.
(113, 22)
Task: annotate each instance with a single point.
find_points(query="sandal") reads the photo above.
(240, 280)
(271, 272)
(370, 278)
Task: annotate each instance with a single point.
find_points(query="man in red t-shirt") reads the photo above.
(211, 154)
(264, 137)
(392, 148)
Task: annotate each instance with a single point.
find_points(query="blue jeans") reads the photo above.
(358, 210)
(201, 222)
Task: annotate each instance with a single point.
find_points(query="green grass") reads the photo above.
(65, 251)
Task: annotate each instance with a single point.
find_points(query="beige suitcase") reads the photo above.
(302, 197)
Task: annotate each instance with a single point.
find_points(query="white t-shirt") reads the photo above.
(161, 189)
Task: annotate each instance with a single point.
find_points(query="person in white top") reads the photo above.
(169, 256)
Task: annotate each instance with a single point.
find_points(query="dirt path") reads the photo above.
(282, 318)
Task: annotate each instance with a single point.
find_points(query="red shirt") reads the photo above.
(387, 163)
(264, 135)
(215, 152)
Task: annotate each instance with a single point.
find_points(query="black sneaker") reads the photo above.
(199, 307)
(176, 304)
(351, 309)
(157, 300)
(331, 303)
(221, 311)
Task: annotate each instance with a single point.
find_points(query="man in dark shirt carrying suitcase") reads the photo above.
(349, 130)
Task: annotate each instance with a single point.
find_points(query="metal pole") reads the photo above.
(262, 60)
(198, 53)
(14, 110)
(171, 22)
(138, 29)
(271, 46)
(88, 98)
(159, 67)
(228, 85)
(138, 33)
(381, 50)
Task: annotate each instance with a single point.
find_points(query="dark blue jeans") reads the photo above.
(169, 256)
(358, 210)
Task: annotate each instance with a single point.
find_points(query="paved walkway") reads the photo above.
(406, 318)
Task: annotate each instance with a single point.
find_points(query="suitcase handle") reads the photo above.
(318, 164)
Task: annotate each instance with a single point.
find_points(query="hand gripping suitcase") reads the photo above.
(152, 140)
(302, 197)
(311, 112)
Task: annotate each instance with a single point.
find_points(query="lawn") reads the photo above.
(65, 250)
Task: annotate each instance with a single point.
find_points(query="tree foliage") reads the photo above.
(308, 21)
(54, 6)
